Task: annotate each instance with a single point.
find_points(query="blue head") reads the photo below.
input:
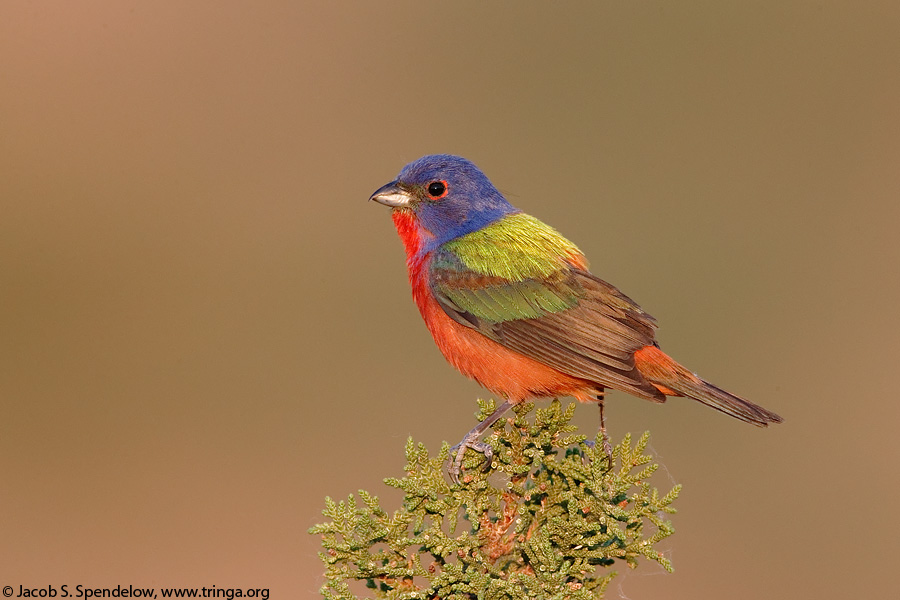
(449, 196)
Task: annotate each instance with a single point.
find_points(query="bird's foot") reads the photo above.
(458, 451)
(607, 447)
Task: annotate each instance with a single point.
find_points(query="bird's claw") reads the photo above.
(458, 451)
(607, 447)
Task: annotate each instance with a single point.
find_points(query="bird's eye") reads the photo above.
(437, 189)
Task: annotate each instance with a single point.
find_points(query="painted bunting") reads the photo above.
(510, 302)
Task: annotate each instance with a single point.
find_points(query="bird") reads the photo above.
(512, 304)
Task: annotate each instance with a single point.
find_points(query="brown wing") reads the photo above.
(594, 338)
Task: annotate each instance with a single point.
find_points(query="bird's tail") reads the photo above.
(674, 380)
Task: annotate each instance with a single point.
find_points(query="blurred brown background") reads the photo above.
(205, 328)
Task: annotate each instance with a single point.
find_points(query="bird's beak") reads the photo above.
(392, 195)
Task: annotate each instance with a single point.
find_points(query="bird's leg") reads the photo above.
(471, 441)
(606, 445)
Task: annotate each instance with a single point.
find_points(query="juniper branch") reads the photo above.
(546, 519)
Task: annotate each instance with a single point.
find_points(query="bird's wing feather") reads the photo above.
(567, 319)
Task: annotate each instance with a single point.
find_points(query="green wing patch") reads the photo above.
(496, 300)
(515, 268)
(516, 247)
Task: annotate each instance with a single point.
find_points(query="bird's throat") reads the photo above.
(408, 228)
(410, 232)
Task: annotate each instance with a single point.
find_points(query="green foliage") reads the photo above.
(546, 519)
